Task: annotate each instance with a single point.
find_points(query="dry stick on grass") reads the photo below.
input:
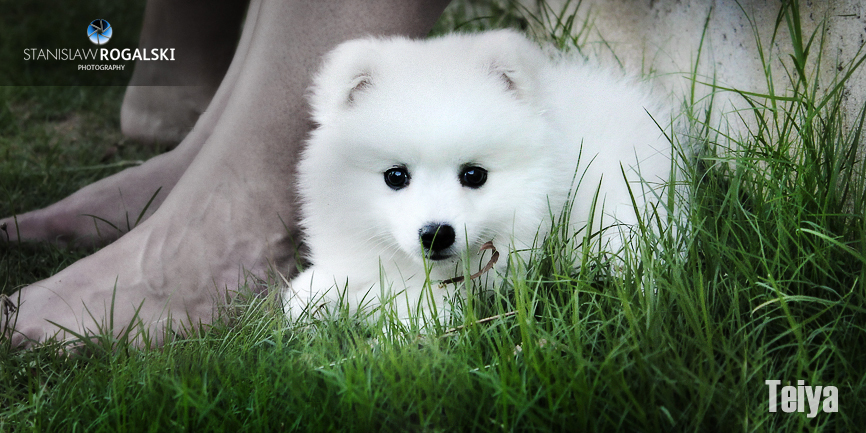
(493, 259)
(454, 330)
(487, 246)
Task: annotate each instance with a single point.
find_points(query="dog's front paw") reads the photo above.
(312, 293)
(302, 298)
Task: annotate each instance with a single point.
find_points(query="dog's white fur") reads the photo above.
(493, 100)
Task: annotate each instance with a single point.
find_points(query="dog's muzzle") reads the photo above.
(437, 238)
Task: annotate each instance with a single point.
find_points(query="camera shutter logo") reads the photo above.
(99, 32)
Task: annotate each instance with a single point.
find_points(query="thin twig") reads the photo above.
(493, 259)
(478, 322)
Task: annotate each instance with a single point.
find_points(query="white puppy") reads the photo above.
(426, 150)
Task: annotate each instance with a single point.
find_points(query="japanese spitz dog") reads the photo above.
(426, 150)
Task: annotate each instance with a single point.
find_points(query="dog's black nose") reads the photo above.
(436, 237)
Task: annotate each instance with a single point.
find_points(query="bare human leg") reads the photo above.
(164, 99)
(128, 192)
(232, 211)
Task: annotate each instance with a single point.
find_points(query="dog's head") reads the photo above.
(426, 148)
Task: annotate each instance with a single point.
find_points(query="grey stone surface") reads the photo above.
(661, 38)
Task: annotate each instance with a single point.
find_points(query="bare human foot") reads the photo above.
(165, 98)
(114, 199)
(232, 211)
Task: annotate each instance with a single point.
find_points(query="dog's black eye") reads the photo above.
(473, 177)
(397, 178)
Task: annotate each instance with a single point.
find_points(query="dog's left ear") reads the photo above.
(514, 61)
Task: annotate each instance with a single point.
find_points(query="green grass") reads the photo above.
(771, 286)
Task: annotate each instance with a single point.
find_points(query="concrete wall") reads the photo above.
(661, 37)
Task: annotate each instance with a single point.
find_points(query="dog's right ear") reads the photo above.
(346, 74)
(363, 81)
